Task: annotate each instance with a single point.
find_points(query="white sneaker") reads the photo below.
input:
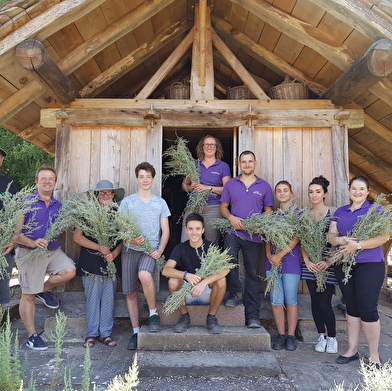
(332, 345)
(321, 344)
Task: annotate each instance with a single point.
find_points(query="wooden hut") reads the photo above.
(91, 82)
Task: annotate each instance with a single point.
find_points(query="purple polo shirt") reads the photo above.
(291, 262)
(243, 203)
(212, 176)
(345, 220)
(42, 217)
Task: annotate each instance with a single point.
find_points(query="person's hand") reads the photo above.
(198, 289)
(109, 257)
(104, 250)
(350, 246)
(139, 241)
(155, 254)
(275, 260)
(312, 267)
(193, 279)
(40, 243)
(8, 248)
(200, 188)
(322, 266)
(236, 222)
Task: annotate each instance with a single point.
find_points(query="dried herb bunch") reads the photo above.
(212, 262)
(14, 208)
(314, 241)
(377, 221)
(130, 228)
(181, 162)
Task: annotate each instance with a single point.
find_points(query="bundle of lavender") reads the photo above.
(180, 162)
(377, 221)
(314, 240)
(130, 228)
(212, 262)
(11, 215)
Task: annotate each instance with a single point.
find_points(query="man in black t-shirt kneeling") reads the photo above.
(180, 268)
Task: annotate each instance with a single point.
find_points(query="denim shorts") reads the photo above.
(287, 290)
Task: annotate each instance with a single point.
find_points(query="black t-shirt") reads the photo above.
(187, 257)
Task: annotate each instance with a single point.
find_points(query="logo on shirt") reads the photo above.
(215, 172)
(258, 193)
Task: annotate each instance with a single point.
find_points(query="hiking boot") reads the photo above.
(48, 299)
(321, 344)
(132, 344)
(254, 323)
(291, 343)
(280, 342)
(233, 300)
(154, 322)
(35, 342)
(182, 324)
(212, 325)
(332, 345)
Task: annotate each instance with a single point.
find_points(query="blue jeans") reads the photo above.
(287, 290)
(5, 283)
(252, 253)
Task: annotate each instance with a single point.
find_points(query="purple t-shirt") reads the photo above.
(212, 176)
(345, 220)
(291, 262)
(245, 202)
(42, 217)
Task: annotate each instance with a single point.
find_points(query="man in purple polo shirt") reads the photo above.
(245, 194)
(31, 273)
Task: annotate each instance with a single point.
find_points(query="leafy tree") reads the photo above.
(22, 159)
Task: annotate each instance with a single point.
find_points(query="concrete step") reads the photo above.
(198, 338)
(207, 364)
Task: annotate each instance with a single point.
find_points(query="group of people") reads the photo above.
(235, 199)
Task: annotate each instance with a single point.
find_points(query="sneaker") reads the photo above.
(332, 345)
(182, 324)
(154, 322)
(132, 344)
(254, 323)
(48, 299)
(280, 342)
(291, 343)
(321, 344)
(35, 342)
(212, 325)
(234, 300)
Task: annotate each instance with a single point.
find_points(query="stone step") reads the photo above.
(207, 364)
(198, 338)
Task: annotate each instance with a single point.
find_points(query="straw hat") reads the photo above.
(107, 185)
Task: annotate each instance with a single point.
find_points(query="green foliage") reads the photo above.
(22, 159)
(86, 371)
(127, 383)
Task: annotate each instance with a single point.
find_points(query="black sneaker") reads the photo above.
(154, 322)
(280, 342)
(182, 324)
(233, 300)
(35, 342)
(132, 344)
(254, 323)
(212, 325)
(291, 343)
(48, 299)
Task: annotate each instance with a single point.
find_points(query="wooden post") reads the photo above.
(32, 56)
(202, 41)
(368, 69)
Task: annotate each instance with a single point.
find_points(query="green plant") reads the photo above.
(128, 382)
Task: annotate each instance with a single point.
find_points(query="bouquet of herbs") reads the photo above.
(130, 228)
(377, 221)
(212, 262)
(180, 162)
(14, 208)
(314, 241)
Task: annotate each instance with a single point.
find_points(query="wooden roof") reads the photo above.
(112, 48)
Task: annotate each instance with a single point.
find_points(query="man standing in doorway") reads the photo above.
(245, 194)
(152, 214)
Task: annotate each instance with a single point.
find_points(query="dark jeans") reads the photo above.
(323, 314)
(252, 253)
(5, 283)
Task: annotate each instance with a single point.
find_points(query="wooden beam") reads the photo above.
(382, 134)
(202, 89)
(31, 132)
(369, 156)
(20, 99)
(46, 24)
(238, 68)
(368, 69)
(202, 40)
(110, 34)
(32, 56)
(165, 68)
(135, 58)
(263, 55)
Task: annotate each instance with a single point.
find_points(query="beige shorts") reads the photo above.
(31, 273)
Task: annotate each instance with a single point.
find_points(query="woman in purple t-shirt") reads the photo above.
(286, 291)
(367, 275)
(214, 173)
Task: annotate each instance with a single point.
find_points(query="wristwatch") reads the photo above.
(359, 247)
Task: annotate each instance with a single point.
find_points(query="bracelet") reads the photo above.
(211, 188)
(184, 276)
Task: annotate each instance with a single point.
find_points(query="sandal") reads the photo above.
(89, 342)
(108, 341)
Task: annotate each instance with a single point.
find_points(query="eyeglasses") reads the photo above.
(105, 193)
(210, 145)
(46, 180)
